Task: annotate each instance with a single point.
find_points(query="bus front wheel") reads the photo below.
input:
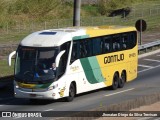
(115, 82)
(72, 92)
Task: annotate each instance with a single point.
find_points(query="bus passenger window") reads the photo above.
(106, 45)
(116, 43)
(74, 52)
(124, 41)
(96, 46)
(132, 39)
(89, 47)
(83, 50)
(64, 58)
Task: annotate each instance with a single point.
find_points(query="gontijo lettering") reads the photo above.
(113, 58)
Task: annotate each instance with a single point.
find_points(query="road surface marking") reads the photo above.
(148, 69)
(48, 110)
(145, 66)
(119, 92)
(152, 60)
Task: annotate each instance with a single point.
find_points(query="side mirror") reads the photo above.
(10, 57)
(59, 57)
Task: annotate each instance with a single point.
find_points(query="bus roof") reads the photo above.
(56, 37)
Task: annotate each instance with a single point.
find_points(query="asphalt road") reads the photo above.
(147, 82)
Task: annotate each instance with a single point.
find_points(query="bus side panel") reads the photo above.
(111, 63)
(73, 73)
(86, 74)
(97, 72)
(117, 62)
(132, 70)
(133, 56)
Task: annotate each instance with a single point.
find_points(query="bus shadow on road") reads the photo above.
(7, 97)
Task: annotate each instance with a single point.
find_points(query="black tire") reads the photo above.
(122, 80)
(72, 93)
(115, 82)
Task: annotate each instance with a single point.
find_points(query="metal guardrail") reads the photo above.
(147, 46)
(8, 79)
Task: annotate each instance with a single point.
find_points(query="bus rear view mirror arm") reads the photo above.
(10, 57)
(59, 57)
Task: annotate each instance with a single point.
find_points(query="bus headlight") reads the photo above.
(53, 87)
(17, 86)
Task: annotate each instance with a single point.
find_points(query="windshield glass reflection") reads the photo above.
(35, 64)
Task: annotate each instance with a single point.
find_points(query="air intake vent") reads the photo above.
(47, 33)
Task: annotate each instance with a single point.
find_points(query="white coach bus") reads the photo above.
(57, 63)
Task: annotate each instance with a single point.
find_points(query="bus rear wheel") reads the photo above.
(122, 80)
(72, 93)
(115, 82)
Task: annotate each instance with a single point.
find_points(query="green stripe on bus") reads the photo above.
(80, 37)
(92, 70)
(88, 70)
(96, 69)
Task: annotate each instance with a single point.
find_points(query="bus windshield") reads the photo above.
(35, 65)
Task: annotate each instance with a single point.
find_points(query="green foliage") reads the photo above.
(39, 10)
(90, 10)
(34, 8)
(5, 69)
(107, 6)
(12, 11)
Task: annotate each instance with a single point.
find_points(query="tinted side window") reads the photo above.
(64, 58)
(102, 45)
(106, 44)
(74, 54)
(96, 46)
(124, 39)
(83, 48)
(132, 39)
(116, 43)
(89, 47)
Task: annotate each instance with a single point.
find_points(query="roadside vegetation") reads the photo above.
(5, 69)
(21, 17)
(12, 11)
(18, 18)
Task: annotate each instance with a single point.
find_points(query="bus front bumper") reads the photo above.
(18, 93)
